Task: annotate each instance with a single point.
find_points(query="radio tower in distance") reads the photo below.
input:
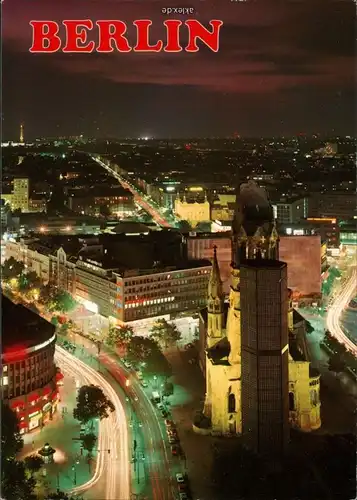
(22, 133)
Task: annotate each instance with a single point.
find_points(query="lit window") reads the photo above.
(5, 380)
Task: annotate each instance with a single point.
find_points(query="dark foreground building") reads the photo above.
(28, 383)
(265, 350)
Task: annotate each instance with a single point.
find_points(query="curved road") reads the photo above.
(336, 309)
(112, 476)
(158, 453)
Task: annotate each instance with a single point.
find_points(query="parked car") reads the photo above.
(172, 440)
(189, 345)
(180, 478)
(175, 450)
(164, 413)
(183, 496)
(143, 383)
(169, 423)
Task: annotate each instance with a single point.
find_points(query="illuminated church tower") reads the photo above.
(22, 140)
(254, 236)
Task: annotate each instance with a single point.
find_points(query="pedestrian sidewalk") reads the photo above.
(70, 467)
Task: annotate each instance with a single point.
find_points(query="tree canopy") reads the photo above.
(15, 481)
(11, 269)
(92, 403)
(88, 442)
(140, 349)
(29, 281)
(33, 463)
(164, 333)
(336, 363)
(146, 352)
(120, 337)
(61, 495)
(61, 301)
(11, 440)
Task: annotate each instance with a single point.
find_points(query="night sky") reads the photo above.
(284, 67)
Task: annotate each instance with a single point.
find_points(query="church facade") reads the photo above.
(253, 237)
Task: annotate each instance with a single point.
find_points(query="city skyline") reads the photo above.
(280, 71)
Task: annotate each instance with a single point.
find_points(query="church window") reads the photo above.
(231, 403)
(291, 401)
(313, 398)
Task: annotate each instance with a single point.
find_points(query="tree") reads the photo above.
(15, 483)
(29, 281)
(11, 440)
(140, 349)
(168, 389)
(54, 321)
(336, 364)
(11, 269)
(64, 328)
(88, 442)
(120, 336)
(33, 463)
(92, 403)
(157, 364)
(60, 495)
(61, 302)
(164, 333)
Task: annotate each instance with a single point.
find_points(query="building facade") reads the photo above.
(29, 374)
(299, 252)
(337, 205)
(193, 212)
(149, 293)
(117, 201)
(265, 349)
(201, 245)
(19, 198)
(290, 211)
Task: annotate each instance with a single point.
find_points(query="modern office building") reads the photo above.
(340, 205)
(290, 211)
(300, 253)
(201, 245)
(155, 292)
(18, 199)
(29, 374)
(265, 350)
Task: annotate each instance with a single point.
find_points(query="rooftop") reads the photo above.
(22, 328)
(263, 264)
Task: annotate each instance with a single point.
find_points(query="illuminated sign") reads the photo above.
(196, 189)
(90, 306)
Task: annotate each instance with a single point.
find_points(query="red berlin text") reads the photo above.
(111, 36)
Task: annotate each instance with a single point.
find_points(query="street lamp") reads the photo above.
(74, 474)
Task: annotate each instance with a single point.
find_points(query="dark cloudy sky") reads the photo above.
(284, 67)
